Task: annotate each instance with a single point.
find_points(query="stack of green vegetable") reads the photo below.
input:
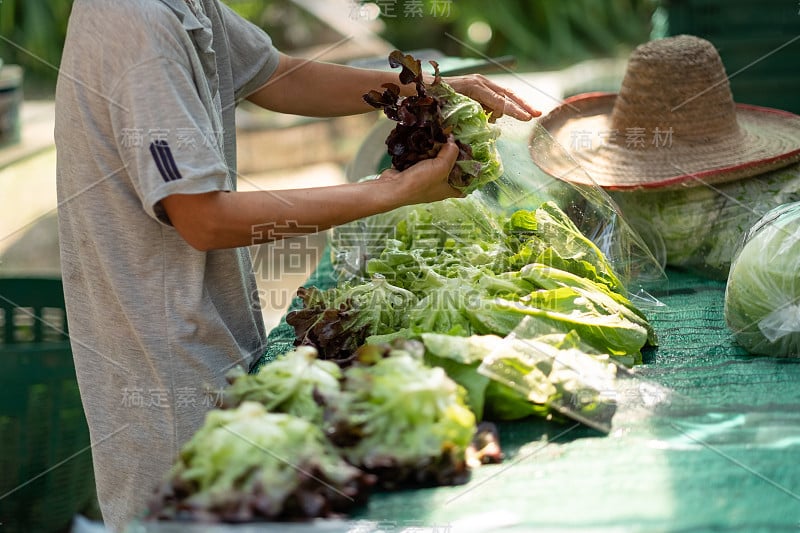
(303, 438)
(461, 276)
(249, 464)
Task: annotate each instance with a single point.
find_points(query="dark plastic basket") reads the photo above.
(45, 457)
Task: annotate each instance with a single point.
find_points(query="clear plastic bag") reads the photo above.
(699, 227)
(557, 370)
(549, 359)
(762, 296)
(523, 185)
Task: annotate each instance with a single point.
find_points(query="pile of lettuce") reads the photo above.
(426, 120)
(303, 438)
(402, 420)
(249, 464)
(461, 278)
(456, 315)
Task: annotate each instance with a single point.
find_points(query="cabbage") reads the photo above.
(762, 296)
(701, 226)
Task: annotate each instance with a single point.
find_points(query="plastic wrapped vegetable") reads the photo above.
(453, 267)
(246, 464)
(699, 227)
(489, 399)
(556, 370)
(762, 297)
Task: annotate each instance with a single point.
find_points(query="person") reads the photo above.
(160, 293)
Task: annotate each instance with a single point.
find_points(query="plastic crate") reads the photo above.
(10, 103)
(45, 456)
(757, 41)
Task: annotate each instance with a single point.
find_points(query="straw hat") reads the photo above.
(673, 123)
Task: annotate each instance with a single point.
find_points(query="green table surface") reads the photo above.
(718, 450)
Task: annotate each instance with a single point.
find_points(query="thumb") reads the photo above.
(448, 154)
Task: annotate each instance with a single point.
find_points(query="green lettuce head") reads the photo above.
(762, 297)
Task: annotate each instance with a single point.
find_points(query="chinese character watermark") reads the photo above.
(184, 138)
(635, 138)
(284, 249)
(399, 8)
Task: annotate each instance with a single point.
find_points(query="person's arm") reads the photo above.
(314, 88)
(217, 220)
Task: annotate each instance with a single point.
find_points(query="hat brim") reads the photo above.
(769, 139)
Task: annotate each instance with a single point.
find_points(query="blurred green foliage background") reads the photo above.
(541, 34)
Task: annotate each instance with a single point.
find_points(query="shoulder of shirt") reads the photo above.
(129, 19)
(120, 36)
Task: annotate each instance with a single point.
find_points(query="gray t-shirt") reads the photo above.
(145, 109)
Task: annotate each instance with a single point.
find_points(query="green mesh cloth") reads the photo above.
(720, 453)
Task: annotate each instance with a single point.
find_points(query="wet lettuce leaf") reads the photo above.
(403, 421)
(428, 118)
(296, 383)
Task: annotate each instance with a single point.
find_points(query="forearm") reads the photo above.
(231, 219)
(227, 220)
(312, 88)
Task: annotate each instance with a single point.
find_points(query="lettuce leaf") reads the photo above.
(403, 421)
(426, 120)
(244, 465)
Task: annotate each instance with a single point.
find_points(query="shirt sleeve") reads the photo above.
(165, 135)
(253, 56)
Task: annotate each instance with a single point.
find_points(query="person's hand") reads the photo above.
(493, 97)
(425, 181)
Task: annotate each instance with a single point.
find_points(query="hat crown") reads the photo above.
(676, 85)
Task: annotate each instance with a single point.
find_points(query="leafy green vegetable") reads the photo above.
(556, 370)
(439, 235)
(460, 357)
(566, 309)
(566, 302)
(762, 297)
(530, 372)
(296, 383)
(475, 276)
(426, 119)
(472, 272)
(337, 321)
(247, 464)
(547, 277)
(403, 421)
(548, 236)
(470, 125)
(700, 227)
